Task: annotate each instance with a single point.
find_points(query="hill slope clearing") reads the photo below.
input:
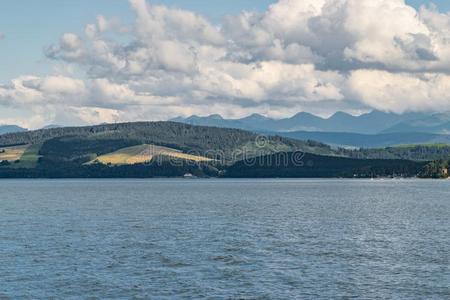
(12, 153)
(143, 154)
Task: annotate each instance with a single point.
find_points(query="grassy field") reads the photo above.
(142, 154)
(12, 153)
(25, 156)
(29, 158)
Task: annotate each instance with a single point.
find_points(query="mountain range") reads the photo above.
(374, 122)
(374, 129)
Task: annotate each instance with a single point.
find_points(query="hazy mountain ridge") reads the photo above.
(371, 130)
(11, 129)
(374, 122)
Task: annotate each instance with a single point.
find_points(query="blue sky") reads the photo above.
(31, 25)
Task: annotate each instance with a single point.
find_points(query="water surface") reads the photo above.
(225, 239)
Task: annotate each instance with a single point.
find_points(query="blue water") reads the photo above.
(225, 239)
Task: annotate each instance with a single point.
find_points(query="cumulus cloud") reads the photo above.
(344, 34)
(312, 54)
(31, 90)
(421, 92)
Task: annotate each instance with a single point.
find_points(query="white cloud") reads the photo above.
(269, 81)
(345, 34)
(401, 91)
(32, 90)
(310, 54)
(58, 85)
(95, 115)
(161, 23)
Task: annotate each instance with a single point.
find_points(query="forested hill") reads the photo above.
(305, 165)
(137, 150)
(411, 152)
(180, 136)
(201, 139)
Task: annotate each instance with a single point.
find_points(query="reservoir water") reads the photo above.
(224, 239)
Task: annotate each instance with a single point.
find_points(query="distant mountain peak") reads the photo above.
(304, 114)
(341, 114)
(11, 129)
(256, 117)
(215, 116)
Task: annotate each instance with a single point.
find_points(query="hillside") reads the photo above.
(142, 154)
(356, 140)
(12, 153)
(181, 136)
(442, 128)
(75, 146)
(149, 149)
(408, 152)
(299, 165)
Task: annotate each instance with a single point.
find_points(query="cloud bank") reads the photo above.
(314, 55)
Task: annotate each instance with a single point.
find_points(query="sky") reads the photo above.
(93, 61)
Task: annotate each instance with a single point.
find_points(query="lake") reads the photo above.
(224, 239)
